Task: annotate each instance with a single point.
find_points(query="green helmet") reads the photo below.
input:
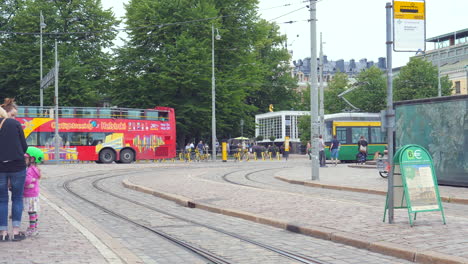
(36, 153)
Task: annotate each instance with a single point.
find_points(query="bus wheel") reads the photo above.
(127, 156)
(106, 156)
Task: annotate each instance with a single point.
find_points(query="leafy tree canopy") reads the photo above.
(84, 66)
(419, 79)
(168, 63)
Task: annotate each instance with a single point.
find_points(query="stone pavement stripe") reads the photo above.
(109, 248)
(385, 248)
(361, 190)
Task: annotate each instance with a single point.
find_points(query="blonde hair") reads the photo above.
(3, 113)
(9, 104)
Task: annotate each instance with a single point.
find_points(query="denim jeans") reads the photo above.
(17, 188)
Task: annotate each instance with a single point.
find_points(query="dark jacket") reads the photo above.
(12, 146)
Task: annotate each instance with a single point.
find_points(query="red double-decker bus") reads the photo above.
(103, 135)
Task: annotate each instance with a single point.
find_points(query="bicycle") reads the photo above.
(383, 165)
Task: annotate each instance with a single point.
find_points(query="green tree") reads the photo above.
(332, 103)
(84, 66)
(168, 63)
(304, 128)
(370, 94)
(419, 79)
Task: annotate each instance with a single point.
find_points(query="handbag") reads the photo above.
(362, 148)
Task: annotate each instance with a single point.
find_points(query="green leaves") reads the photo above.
(84, 66)
(170, 64)
(419, 79)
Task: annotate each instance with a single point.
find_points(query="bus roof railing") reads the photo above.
(95, 112)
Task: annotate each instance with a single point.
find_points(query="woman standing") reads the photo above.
(13, 169)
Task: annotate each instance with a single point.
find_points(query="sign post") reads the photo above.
(415, 185)
(409, 27)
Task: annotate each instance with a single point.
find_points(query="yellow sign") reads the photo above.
(408, 10)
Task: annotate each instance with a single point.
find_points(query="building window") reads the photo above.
(457, 87)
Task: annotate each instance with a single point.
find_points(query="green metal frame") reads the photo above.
(397, 161)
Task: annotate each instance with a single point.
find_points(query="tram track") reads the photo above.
(201, 252)
(205, 254)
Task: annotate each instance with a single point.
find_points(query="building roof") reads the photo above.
(458, 33)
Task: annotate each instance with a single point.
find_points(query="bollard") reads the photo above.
(224, 155)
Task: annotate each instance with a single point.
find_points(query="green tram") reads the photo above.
(348, 128)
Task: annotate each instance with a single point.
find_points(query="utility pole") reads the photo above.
(213, 98)
(41, 26)
(314, 119)
(390, 113)
(56, 99)
(322, 111)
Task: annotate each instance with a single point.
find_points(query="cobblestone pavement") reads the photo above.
(356, 216)
(151, 249)
(73, 232)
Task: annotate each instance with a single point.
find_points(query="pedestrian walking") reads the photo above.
(335, 148)
(309, 150)
(200, 147)
(322, 157)
(33, 157)
(12, 169)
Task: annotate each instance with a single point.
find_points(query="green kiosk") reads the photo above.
(414, 182)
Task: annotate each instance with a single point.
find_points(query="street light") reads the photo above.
(42, 25)
(213, 93)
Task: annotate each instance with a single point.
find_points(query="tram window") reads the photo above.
(104, 113)
(328, 131)
(357, 132)
(377, 136)
(341, 134)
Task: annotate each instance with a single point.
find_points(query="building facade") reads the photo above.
(450, 55)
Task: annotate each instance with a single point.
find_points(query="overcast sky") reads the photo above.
(351, 29)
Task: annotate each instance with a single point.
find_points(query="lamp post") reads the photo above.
(42, 25)
(213, 93)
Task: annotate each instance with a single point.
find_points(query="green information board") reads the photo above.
(415, 183)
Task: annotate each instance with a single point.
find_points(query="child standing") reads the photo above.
(33, 156)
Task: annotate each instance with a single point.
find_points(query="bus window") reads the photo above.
(21, 111)
(104, 113)
(32, 139)
(377, 136)
(164, 116)
(152, 115)
(341, 135)
(32, 112)
(357, 132)
(66, 112)
(134, 114)
(117, 113)
(89, 113)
